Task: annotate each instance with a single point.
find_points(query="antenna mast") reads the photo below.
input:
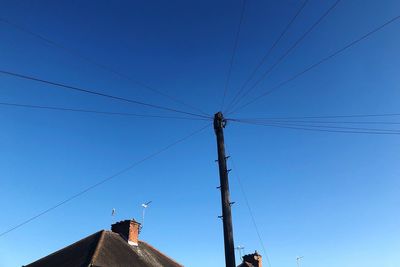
(219, 125)
(144, 206)
(298, 260)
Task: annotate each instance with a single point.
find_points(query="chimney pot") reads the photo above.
(128, 229)
(255, 259)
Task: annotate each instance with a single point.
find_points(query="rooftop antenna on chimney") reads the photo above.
(112, 215)
(240, 249)
(144, 206)
(298, 259)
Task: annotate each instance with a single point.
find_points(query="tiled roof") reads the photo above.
(106, 248)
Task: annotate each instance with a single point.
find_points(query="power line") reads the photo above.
(298, 41)
(331, 131)
(102, 181)
(324, 129)
(333, 127)
(97, 64)
(320, 126)
(337, 52)
(318, 121)
(251, 213)
(324, 117)
(266, 56)
(98, 93)
(234, 52)
(95, 111)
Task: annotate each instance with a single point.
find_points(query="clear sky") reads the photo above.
(330, 197)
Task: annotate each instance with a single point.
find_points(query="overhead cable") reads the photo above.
(323, 60)
(323, 117)
(233, 53)
(266, 56)
(82, 192)
(87, 91)
(97, 64)
(253, 220)
(327, 129)
(96, 111)
(295, 44)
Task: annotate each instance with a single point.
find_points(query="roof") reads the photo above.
(103, 249)
(251, 260)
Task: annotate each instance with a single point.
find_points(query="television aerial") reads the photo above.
(298, 259)
(240, 249)
(144, 206)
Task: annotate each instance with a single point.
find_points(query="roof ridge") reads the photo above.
(97, 249)
(94, 237)
(162, 254)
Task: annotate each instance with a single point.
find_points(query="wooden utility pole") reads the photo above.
(219, 124)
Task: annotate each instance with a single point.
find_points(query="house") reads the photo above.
(252, 260)
(119, 247)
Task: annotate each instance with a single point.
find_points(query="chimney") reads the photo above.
(128, 229)
(255, 259)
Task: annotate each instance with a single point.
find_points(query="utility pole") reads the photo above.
(219, 124)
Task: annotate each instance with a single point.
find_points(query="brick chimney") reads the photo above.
(255, 259)
(128, 229)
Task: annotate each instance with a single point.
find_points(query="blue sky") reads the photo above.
(332, 198)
